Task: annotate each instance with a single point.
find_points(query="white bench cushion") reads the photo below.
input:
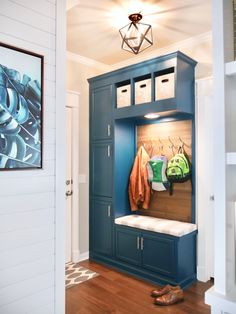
(172, 227)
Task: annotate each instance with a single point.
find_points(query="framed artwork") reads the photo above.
(21, 107)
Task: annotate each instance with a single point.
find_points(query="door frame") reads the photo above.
(205, 220)
(60, 86)
(72, 101)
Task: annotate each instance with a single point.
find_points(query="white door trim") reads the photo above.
(73, 103)
(203, 204)
(60, 157)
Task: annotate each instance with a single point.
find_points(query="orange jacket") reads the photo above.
(139, 189)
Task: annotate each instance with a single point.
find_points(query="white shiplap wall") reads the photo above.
(27, 198)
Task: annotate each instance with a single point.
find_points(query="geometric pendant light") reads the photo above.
(136, 36)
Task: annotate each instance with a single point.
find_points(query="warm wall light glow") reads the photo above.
(152, 116)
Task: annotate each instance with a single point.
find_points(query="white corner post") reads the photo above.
(220, 296)
(60, 203)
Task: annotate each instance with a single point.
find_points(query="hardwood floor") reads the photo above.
(117, 293)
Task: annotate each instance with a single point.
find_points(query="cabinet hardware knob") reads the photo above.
(212, 198)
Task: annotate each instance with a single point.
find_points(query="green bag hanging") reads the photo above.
(178, 169)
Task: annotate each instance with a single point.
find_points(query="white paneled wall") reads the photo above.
(27, 198)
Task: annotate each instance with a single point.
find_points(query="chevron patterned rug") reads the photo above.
(76, 274)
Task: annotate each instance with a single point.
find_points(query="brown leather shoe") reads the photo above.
(172, 297)
(159, 292)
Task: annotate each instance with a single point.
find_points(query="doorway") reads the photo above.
(72, 173)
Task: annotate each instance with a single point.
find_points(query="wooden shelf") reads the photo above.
(230, 68)
(231, 158)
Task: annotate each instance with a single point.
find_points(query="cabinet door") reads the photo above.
(101, 113)
(128, 246)
(159, 254)
(101, 227)
(101, 169)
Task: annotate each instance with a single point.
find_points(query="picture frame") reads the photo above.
(21, 108)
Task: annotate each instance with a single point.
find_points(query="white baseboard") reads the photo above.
(202, 274)
(75, 256)
(84, 256)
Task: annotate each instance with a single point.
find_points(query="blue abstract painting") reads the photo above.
(20, 109)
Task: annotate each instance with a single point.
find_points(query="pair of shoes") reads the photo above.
(159, 292)
(168, 295)
(172, 297)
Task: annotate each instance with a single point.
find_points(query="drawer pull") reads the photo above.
(109, 211)
(108, 151)
(137, 243)
(124, 91)
(142, 246)
(108, 130)
(165, 81)
(143, 85)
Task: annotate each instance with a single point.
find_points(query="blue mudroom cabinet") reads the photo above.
(101, 113)
(163, 258)
(119, 100)
(102, 167)
(101, 221)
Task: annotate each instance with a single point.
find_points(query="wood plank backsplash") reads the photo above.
(158, 139)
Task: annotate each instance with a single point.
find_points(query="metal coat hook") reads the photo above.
(161, 146)
(152, 147)
(182, 142)
(172, 146)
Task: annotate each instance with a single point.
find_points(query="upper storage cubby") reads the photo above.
(142, 90)
(165, 84)
(162, 85)
(123, 92)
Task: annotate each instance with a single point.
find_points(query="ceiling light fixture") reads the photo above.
(152, 116)
(136, 36)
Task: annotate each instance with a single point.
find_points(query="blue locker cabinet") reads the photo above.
(101, 113)
(101, 226)
(113, 120)
(101, 169)
(161, 257)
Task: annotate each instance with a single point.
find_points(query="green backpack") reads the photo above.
(178, 169)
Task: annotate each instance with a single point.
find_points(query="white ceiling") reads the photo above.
(93, 25)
